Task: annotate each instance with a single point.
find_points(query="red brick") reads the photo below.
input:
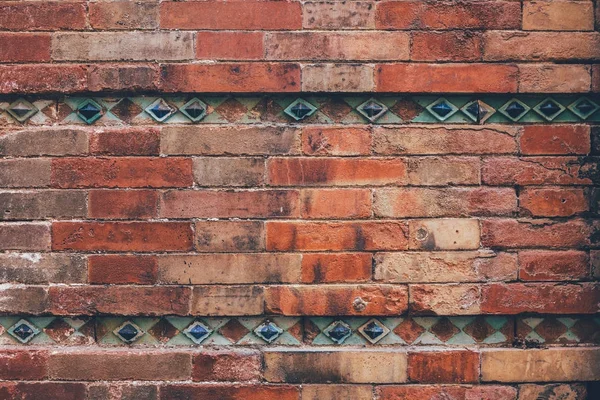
(596, 77)
(430, 392)
(229, 204)
(533, 171)
(336, 236)
(555, 139)
(119, 300)
(122, 236)
(20, 299)
(134, 172)
(24, 47)
(346, 141)
(446, 46)
(532, 46)
(143, 365)
(254, 77)
(452, 15)
(547, 298)
(123, 204)
(24, 236)
(49, 141)
(123, 77)
(337, 300)
(509, 233)
(243, 15)
(227, 366)
(335, 203)
(42, 78)
(554, 78)
(553, 202)
(122, 269)
(333, 268)
(23, 365)
(230, 45)
(443, 366)
(35, 15)
(121, 15)
(558, 15)
(125, 142)
(436, 78)
(545, 265)
(126, 391)
(246, 392)
(336, 171)
(42, 390)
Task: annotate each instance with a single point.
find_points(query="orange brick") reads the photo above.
(547, 265)
(436, 78)
(230, 45)
(558, 15)
(322, 141)
(553, 202)
(343, 267)
(118, 269)
(335, 203)
(555, 139)
(23, 365)
(446, 46)
(125, 142)
(42, 78)
(434, 392)
(246, 392)
(35, 15)
(443, 366)
(223, 366)
(510, 233)
(24, 47)
(534, 171)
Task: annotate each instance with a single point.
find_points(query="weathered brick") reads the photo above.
(596, 78)
(24, 236)
(45, 141)
(434, 392)
(229, 236)
(449, 202)
(335, 203)
(122, 236)
(563, 364)
(34, 172)
(533, 46)
(452, 15)
(337, 78)
(125, 142)
(335, 392)
(437, 267)
(546, 265)
(227, 300)
(436, 78)
(239, 77)
(595, 262)
(534, 171)
(336, 171)
(230, 45)
(333, 15)
(229, 268)
(510, 233)
(446, 46)
(23, 365)
(429, 299)
(558, 139)
(443, 366)
(335, 366)
(437, 171)
(19, 299)
(393, 46)
(553, 202)
(443, 234)
(144, 365)
(123, 46)
(34, 15)
(444, 140)
(336, 236)
(42, 78)
(229, 171)
(549, 298)
(558, 15)
(31, 205)
(40, 390)
(247, 15)
(229, 204)
(127, 391)
(336, 300)
(122, 269)
(344, 141)
(39, 268)
(575, 391)
(24, 47)
(554, 78)
(246, 392)
(223, 366)
(119, 300)
(229, 140)
(134, 172)
(331, 268)
(123, 15)
(123, 77)
(123, 204)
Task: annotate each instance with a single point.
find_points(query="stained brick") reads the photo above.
(16, 173)
(19, 299)
(227, 300)
(553, 202)
(446, 46)
(230, 45)
(350, 141)
(23, 365)
(531, 391)
(508, 233)
(558, 139)
(229, 171)
(46, 141)
(125, 77)
(42, 78)
(457, 299)
(24, 47)
(124, 15)
(558, 15)
(246, 392)
(123, 204)
(338, 15)
(444, 234)
(125, 142)
(24, 236)
(32, 205)
(229, 236)
(39, 268)
(554, 78)
(337, 78)
(36, 390)
(33, 15)
(335, 203)
(443, 366)
(534, 171)
(223, 366)
(546, 265)
(432, 392)
(122, 269)
(339, 267)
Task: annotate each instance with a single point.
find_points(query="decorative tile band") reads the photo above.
(344, 109)
(295, 331)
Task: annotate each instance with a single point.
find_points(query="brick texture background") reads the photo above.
(437, 229)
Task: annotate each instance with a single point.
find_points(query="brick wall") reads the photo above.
(299, 199)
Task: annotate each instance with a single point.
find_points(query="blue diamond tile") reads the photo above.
(478, 111)
(197, 332)
(128, 332)
(268, 331)
(442, 109)
(338, 331)
(22, 110)
(89, 111)
(372, 109)
(300, 109)
(549, 109)
(194, 109)
(514, 109)
(160, 110)
(23, 331)
(583, 107)
(374, 331)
